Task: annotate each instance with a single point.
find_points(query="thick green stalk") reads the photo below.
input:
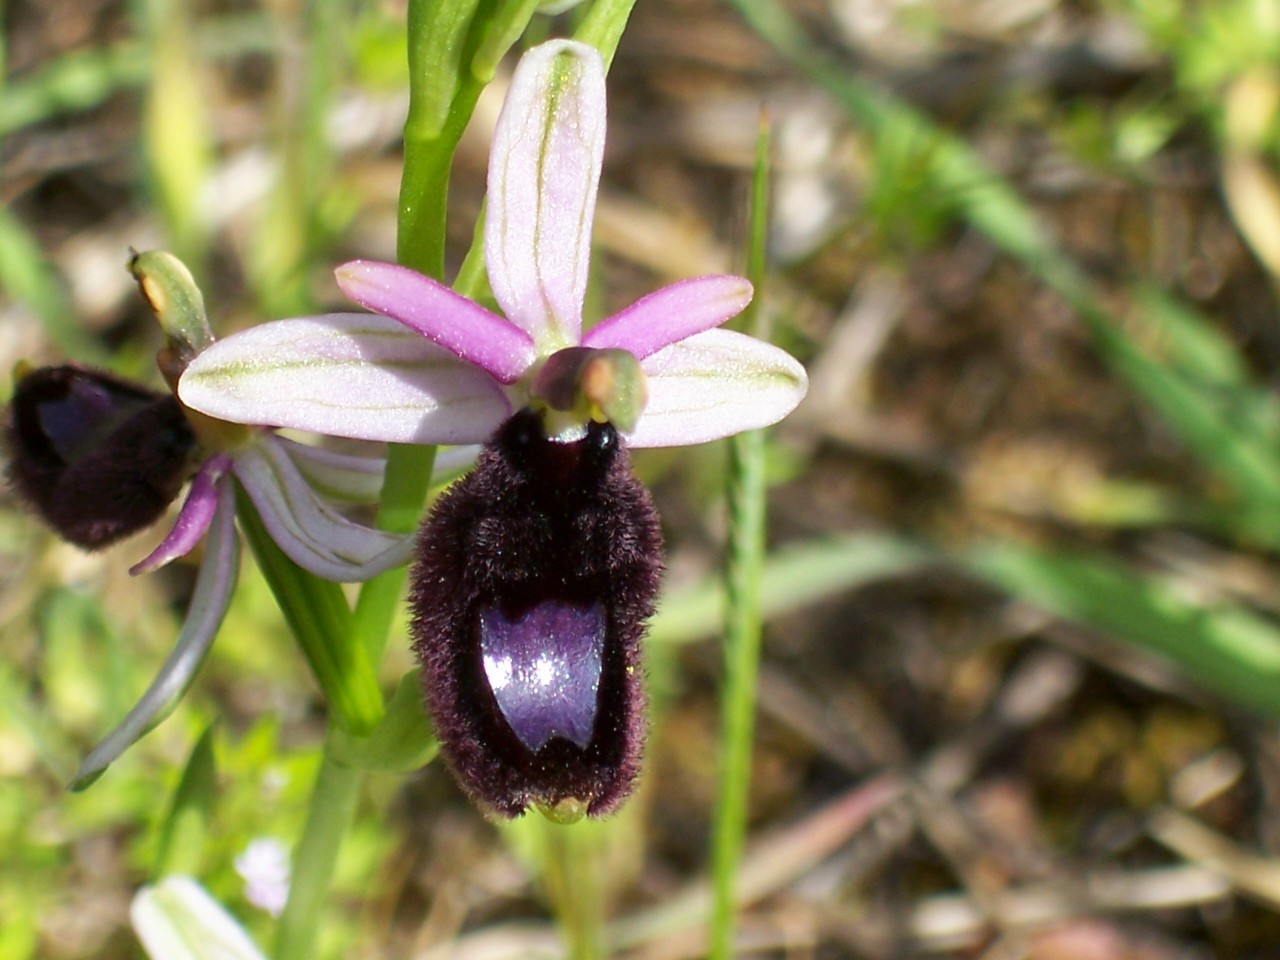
(329, 817)
(424, 187)
(743, 615)
(424, 194)
(403, 491)
(320, 620)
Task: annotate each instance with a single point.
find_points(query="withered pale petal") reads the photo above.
(310, 531)
(344, 477)
(716, 384)
(346, 375)
(209, 603)
(544, 170)
(177, 919)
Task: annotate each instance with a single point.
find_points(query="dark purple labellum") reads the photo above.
(97, 457)
(534, 578)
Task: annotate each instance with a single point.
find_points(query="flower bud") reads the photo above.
(171, 292)
(535, 575)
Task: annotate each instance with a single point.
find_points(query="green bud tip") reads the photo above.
(174, 298)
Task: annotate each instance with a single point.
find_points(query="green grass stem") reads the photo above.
(743, 622)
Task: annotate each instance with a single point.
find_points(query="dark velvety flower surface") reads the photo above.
(535, 575)
(97, 457)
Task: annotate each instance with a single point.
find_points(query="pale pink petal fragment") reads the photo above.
(193, 519)
(209, 603)
(544, 169)
(462, 327)
(346, 375)
(310, 531)
(345, 477)
(177, 919)
(672, 313)
(716, 384)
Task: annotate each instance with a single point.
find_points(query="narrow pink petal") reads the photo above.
(716, 384)
(193, 519)
(346, 375)
(544, 169)
(444, 317)
(209, 602)
(672, 313)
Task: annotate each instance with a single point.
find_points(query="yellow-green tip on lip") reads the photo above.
(566, 811)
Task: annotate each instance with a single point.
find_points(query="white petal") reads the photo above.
(716, 384)
(339, 476)
(453, 462)
(544, 168)
(310, 531)
(176, 919)
(209, 603)
(346, 375)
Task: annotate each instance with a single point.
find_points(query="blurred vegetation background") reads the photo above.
(1022, 664)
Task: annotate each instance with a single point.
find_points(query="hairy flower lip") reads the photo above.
(540, 531)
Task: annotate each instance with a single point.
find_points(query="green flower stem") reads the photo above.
(443, 36)
(404, 489)
(504, 28)
(329, 816)
(424, 188)
(317, 614)
(743, 615)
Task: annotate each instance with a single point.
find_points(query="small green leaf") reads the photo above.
(183, 833)
(1221, 646)
(401, 742)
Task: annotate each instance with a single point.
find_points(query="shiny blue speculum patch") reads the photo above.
(544, 669)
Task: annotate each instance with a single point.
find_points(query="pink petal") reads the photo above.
(672, 313)
(193, 519)
(544, 168)
(444, 317)
(716, 384)
(346, 375)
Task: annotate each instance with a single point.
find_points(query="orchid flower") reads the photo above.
(431, 366)
(535, 573)
(100, 458)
